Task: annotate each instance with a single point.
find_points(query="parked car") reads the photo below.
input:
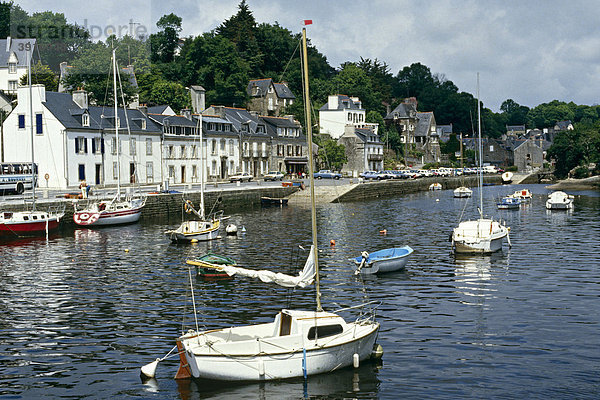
(245, 176)
(369, 175)
(274, 176)
(327, 174)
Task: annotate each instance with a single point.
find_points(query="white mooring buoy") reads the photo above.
(149, 370)
(356, 360)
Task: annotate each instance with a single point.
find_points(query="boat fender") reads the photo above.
(332, 242)
(189, 206)
(383, 232)
(355, 360)
(377, 352)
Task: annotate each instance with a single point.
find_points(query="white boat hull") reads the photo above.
(559, 201)
(116, 213)
(269, 357)
(463, 192)
(479, 236)
(195, 230)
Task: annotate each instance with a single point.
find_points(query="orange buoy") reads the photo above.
(383, 232)
(332, 242)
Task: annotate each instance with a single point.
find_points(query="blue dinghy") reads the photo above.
(379, 261)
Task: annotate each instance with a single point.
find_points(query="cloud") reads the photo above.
(531, 52)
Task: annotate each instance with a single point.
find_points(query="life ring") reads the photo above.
(46, 176)
(189, 206)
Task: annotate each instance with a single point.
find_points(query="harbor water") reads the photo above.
(82, 311)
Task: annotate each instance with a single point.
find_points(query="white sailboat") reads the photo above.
(118, 210)
(483, 235)
(201, 229)
(297, 343)
(14, 224)
(462, 191)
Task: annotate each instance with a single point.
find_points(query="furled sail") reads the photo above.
(304, 278)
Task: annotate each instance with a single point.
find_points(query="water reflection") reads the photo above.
(361, 382)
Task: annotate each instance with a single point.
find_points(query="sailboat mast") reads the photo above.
(202, 168)
(308, 128)
(116, 125)
(480, 151)
(34, 177)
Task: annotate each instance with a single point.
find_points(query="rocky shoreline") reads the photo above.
(592, 183)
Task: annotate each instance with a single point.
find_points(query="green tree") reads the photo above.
(164, 43)
(515, 113)
(331, 154)
(171, 93)
(41, 74)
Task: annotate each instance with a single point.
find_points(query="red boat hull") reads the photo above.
(27, 228)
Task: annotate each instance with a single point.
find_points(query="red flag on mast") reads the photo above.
(307, 22)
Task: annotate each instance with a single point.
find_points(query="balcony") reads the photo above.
(375, 157)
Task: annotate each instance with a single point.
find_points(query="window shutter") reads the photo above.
(85, 145)
(102, 146)
(93, 145)
(76, 145)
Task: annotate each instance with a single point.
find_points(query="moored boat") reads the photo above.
(507, 177)
(14, 224)
(462, 192)
(386, 260)
(509, 203)
(435, 186)
(113, 212)
(523, 194)
(273, 201)
(207, 265)
(559, 201)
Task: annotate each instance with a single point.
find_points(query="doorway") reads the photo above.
(183, 174)
(98, 179)
(132, 173)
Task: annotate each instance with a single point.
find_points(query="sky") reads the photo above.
(530, 51)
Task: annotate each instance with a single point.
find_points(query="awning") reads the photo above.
(296, 161)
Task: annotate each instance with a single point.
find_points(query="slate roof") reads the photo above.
(15, 44)
(239, 116)
(344, 103)
(172, 120)
(62, 106)
(281, 89)
(563, 125)
(157, 109)
(403, 110)
(365, 135)
(424, 120)
(272, 123)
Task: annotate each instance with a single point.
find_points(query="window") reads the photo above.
(260, 129)
(149, 172)
(115, 170)
(21, 121)
(223, 142)
(12, 85)
(227, 128)
(172, 171)
(183, 152)
(81, 171)
(214, 168)
(144, 124)
(194, 152)
(12, 68)
(148, 147)
(298, 150)
(97, 147)
(81, 145)
(349, 116)
(85, 120)
(132, 147)
(113, 142)
(290, 149)
(170, 152)
(39, 128)
(213, 144)
(194, 172)
(324, 331)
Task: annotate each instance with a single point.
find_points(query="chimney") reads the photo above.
(80, 97)
(187, 113)
(254, 113)
(198, 97)
(8, 43)
(143, 108)
(332, 102)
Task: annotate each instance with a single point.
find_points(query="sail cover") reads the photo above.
(304, 278)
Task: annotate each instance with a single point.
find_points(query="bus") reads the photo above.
(16, 177)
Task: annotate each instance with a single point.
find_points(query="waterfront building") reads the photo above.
(254, 142)
(417, 130)
(341, 111)
(289, 148)
(74, 141)
(13, 62)
(364, 150)
(269, 98)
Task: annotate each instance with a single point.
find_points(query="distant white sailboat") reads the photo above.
(483, 235)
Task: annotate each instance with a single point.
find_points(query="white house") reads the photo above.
(364, 151)
(74, 141)
(341, 111)
(13, 62)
